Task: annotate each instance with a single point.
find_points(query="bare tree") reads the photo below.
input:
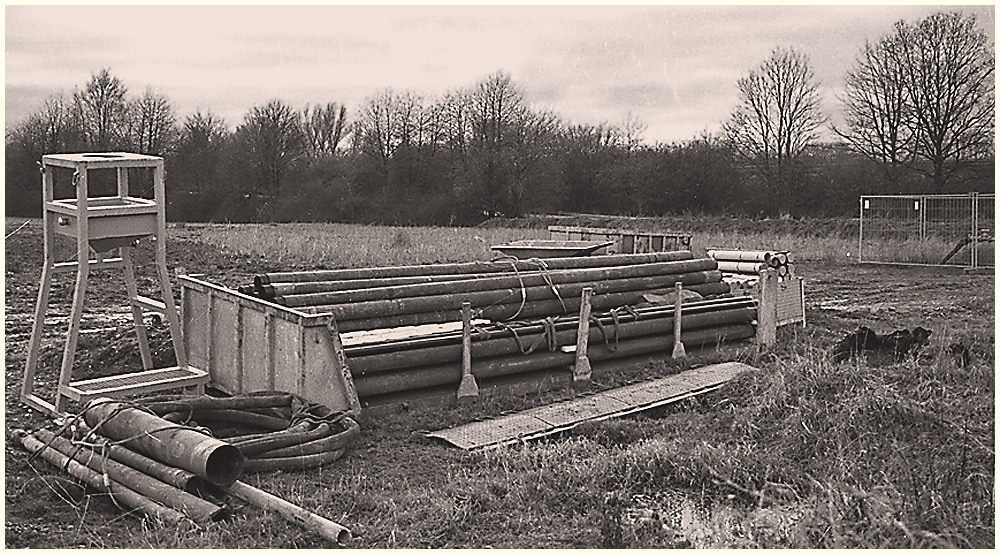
(777, 118)
(101, 110)
(195, 163)
(876, 105)
(323, 128)
(151, 124)
(388, 122)
(630, 131)
(272, 140)
(52, 129)
(949, 65)
(454, 120)
(924, 93)
(497, 106)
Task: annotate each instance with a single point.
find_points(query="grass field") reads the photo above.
(803, 454)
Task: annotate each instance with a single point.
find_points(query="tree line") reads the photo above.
(918, 111)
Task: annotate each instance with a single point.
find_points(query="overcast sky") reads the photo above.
(674, 67)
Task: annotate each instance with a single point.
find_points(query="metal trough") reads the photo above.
(624, 241)
(551, 248)
(247, 345)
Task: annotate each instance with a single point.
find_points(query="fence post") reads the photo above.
(861, 228)
(974, 255)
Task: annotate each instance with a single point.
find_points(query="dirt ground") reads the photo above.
(956, 306)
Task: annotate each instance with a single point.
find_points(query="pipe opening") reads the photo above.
(224, 465)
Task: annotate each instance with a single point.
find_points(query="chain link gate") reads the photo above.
(938, 230)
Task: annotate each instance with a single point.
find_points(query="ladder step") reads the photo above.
(107, 263)
(135, 383)
(145, 302)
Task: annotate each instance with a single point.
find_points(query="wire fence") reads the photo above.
(952, 230)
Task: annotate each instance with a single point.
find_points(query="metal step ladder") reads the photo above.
(105, 226)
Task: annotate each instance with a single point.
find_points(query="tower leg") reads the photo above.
(73, 333)
(37, 329)
(133, 293)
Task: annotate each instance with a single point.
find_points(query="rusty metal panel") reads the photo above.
(553, 418)
(224, 339)
(580, 409)
(287, 357)
(502, 430)
(255, 353)
(789, 304)
(249, 345)
(194, 321)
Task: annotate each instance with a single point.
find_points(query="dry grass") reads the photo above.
(333, 245)
(803, 454)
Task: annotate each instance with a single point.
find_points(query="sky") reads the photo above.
(675, 68)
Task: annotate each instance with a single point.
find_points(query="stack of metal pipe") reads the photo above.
(153, 466)
(375, 298)
(145, 463)
(392, 370)
(741, 268)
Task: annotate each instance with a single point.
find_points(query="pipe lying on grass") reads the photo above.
(450, 374)
(122, 495)
(325, 528)
(198, 403)
(198, 510)
(175, 476)
(211, 459)
(272, 441)
(468, 267)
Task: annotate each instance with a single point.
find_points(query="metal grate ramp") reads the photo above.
(136, 383)
(554, 418)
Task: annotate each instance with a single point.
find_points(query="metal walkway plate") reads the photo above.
(554, 418)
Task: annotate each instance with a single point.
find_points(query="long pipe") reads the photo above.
(429, 376)
(281, 289)
(506, 345)
(198, 403)
(200, 511)
(122, 494)
(527, 327)
(501, 282)
(468, 267)
(504, 311)
(752, 268)
(269, 292)
(215, 461)
(492, 294)
(526, 382)
(327, 529)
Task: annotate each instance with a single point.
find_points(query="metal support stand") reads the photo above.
(767, 308)
(104, 225)
(581, 368)
(468, 388)
(678, 345)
